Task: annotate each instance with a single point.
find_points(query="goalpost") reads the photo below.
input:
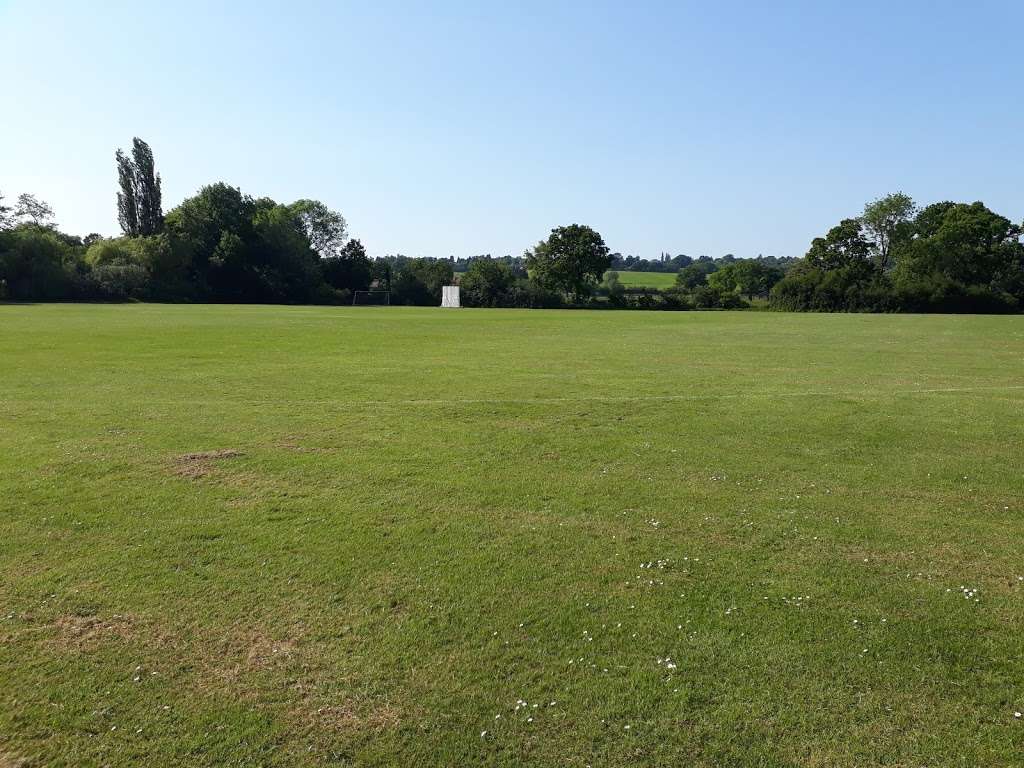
(371, 298)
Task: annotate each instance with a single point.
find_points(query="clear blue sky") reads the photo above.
(443, 128)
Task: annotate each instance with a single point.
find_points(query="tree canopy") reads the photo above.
(573, 259)
(951, 257)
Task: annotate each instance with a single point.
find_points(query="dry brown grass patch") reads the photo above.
(9, 760)
(348, 717)
(200, 464)
(88, 631)
(248, 652)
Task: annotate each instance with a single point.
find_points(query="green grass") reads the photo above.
(429, 515)
(658, 280)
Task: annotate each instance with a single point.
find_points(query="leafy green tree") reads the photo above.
(724, 280)
(757, 278)
(844, 244)
(283, 264)
(837, 275)
(859, 286)
(613, 284)
(350, 270)
(139, 206)
(695, 274)
(196, 229)
(113, 251)
(888, 223)
(487, 283)
(325, 229)
(966, 244)
(36, 263)
(32, 210)
(572, 260)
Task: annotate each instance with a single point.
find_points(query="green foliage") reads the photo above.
(6, 215)
(951, 257)
(888, 223)
(857, 286)
(325, 229)
(571, 260)
(223, 245)
(139, 206)
(121, 281)
(843, 246)
(241, 249)
(36, 263)
(746, 277)
(528, 294)
(350, 270)
(967, 244)
(695, 274)
(112, 251)
(32, 210)
(418, 282)
(487, 283)
(613, 286)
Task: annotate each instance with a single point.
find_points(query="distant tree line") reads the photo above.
(221, 245)
(945, 257)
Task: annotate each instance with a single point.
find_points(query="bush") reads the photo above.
(857, 287)
(714, 297)
(121, 281)
(525, 293)
(937, 293)
(36, 263)
(114, 251)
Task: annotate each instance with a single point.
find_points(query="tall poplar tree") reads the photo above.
(139, 209)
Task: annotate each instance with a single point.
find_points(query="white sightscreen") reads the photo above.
(450, 296)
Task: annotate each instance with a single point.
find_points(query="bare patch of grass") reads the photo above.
(9, 760)
(250, 652)
(195, 466)
(349, 716)
(81, 632)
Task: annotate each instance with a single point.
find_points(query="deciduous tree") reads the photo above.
(32, 210)
(888, 223)
(573, 259)
(844, 245)
(325, 228)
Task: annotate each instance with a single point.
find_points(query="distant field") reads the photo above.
(647, 279)
(303, 536)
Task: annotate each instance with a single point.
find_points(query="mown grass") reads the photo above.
(306, 536)
(660, 280)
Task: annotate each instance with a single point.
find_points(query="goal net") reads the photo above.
(371, 298)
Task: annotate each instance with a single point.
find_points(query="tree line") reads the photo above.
(896, 257)
(221, 245)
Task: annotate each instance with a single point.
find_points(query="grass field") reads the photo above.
(383, 536)
(647, 279)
